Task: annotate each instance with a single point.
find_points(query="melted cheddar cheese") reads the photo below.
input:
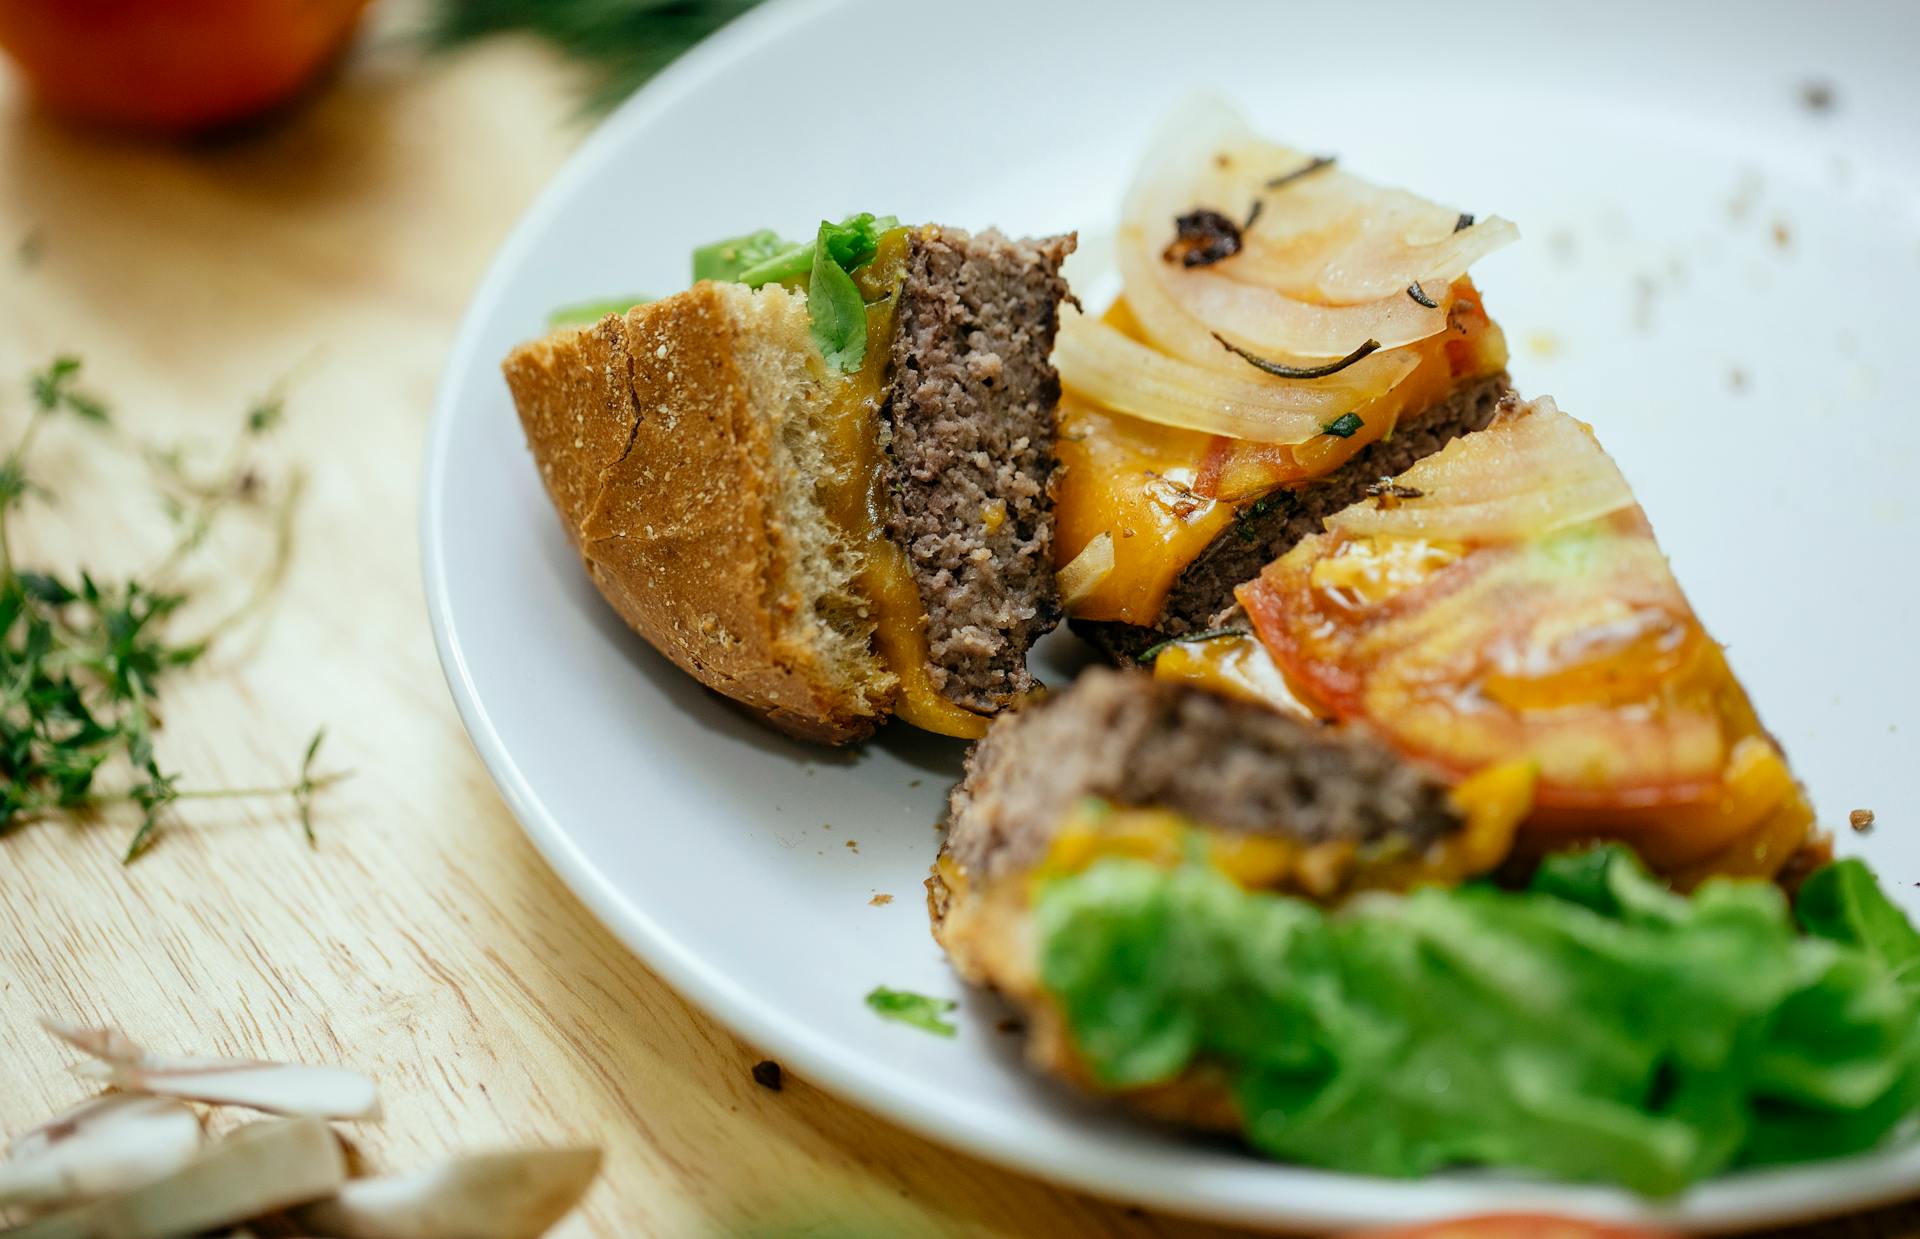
(1490, 807)
(1165, 494)
(856, 500)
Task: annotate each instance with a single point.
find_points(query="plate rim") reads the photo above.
(1312, 1197)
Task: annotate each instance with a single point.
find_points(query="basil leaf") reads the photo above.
(839, 315)
(908, 1007)
(851, 243)
(586, 313)
(1843, 903)
(726, 260)
(854, 240)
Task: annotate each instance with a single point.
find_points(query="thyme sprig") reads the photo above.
(82, 660)
(620, 43)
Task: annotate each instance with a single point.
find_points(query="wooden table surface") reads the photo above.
(423, 941)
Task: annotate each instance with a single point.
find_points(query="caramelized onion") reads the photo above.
(1528, 474)
(1085, 571)
(1326, 259)
(1111, 369)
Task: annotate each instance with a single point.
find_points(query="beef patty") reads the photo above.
(1269, 527)
(970, 413)
(1138, 742)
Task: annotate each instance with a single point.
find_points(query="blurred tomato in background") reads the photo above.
(172, 66)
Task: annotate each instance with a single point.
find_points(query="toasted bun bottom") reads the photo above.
(679, 442)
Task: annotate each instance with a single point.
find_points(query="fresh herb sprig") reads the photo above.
(82, 660)
(621, 43)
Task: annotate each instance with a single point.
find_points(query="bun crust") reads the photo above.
(656, 434)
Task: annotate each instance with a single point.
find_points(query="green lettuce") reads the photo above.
(587, 313)
(763, 258)
(826, 263)
(1595, 1026)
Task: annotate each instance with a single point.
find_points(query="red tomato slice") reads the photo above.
(1517, 607)
(1512, 1226)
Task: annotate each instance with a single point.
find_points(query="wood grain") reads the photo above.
(423, 941)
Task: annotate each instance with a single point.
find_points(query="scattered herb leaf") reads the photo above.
(1465, 221)
(1387, 493)
(1192, 638)
(1420, 294)
(1203, 237)
(1283, 371)
(1343, 426)
(1246, 518)
(1306, 169)
(908, 1007)
(82, 660)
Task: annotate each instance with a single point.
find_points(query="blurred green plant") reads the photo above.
(621, 43)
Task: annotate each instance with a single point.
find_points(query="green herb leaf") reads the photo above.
(1212, 634)
(54, 392)
(1287, 370)
(726, 260)
(851, 244)
(587, 313)
(839, 315)
(267, 414)
(1343, 426)
(910, 1008)
(1596, 1026)
(1843, 903)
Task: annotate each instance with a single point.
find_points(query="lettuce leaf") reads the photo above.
(1596, 1026)
(826, 263)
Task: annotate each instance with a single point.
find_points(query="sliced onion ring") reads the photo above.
(1256, 318)
(1533, 471)
(1324, 265)
(1111, 369)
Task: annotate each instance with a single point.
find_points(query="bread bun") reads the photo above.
(679, 442)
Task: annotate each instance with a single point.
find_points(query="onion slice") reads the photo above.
(510, 1195)
(1325, 259)
(1256, 318)
(278, 1088)
(1532, 472)
(257, 1169)
(1113, 370)
(104, 1145)
(1084, 573)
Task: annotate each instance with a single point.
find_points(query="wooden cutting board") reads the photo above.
(422, 940)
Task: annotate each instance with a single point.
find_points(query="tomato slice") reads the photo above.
(1517, 607)
(1512, 1226)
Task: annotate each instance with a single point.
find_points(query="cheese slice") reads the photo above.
(856, 500)
(1165, 494)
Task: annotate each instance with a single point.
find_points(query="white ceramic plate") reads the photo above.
(1721, 277)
